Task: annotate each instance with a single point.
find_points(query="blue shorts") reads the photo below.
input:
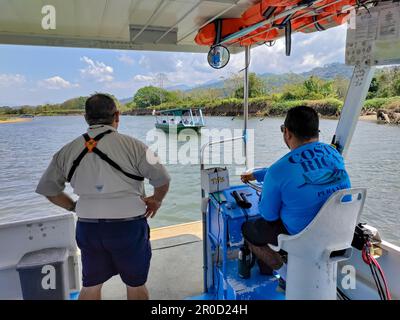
(111, 248)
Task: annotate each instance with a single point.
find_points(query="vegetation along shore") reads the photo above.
(271, 95)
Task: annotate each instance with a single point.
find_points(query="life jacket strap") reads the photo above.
(288, 37)
(91, 146)
(318, 26)
(218, 31)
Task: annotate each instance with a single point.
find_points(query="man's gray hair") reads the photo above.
(100, 109)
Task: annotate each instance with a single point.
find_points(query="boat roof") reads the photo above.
(153, 25)
(177, 111)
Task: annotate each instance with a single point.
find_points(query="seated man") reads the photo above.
(295, 187)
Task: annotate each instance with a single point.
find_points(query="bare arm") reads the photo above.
(153, 203)
(247, 176)
(160, 192)
(63, 200)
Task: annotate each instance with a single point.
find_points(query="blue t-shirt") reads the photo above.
(297, 185)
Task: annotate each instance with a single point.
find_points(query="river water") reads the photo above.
(373, 161)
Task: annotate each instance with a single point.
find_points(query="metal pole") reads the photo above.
(246, 100)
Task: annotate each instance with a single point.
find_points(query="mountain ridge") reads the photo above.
(273, 80)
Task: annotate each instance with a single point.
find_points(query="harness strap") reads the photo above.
(91, 146)
(218, 31)
(76, 163)
(288, 37)
(318, 26)
(268, 12)
(104, 157)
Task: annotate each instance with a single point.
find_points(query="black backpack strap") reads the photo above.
(99, 136)
(101, 154)
(78, 160)
(76, 163)
(104, 157)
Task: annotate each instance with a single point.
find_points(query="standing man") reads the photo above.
(106, 170)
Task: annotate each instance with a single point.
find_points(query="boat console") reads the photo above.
(225, 208)
(227, 211)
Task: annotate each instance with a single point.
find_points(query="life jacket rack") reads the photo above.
(269, 20)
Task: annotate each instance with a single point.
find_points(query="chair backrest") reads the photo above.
(332, 228)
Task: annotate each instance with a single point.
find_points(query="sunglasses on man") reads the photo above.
(283, 128)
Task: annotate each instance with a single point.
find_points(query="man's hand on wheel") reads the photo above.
(152, 205)
(247, 176)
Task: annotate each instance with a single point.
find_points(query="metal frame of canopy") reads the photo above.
(163, 25)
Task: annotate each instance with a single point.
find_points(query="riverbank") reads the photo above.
(365, 116)
(14, 120)
(383, 110)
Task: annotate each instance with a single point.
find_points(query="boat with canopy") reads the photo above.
(176, 120)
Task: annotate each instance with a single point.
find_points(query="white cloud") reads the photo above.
(156, 62)
(191, 69)
(97, 70)
(134, 83)
(179, 64)
(143, 78)
(124, 58)
(308, 51)
(56, 82)
(9, 80)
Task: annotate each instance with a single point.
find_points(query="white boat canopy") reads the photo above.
(156, 25)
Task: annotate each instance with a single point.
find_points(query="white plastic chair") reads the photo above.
(312, 269)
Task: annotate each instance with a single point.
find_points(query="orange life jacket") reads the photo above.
(319, 22)
(269, 8)
(208, 34)
(262, 11)
(260, 36)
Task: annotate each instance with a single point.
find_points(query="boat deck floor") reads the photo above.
(176, 270)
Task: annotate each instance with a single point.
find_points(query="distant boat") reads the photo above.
(176, 120)
(27, 116)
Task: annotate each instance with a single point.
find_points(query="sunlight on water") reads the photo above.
(26, 149)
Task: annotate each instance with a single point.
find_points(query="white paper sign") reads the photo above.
(376, 38)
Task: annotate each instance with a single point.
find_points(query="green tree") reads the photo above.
(312, 88)
(340, 86)
(396, 87)
(373, 88)
(386, 83)
(152, 96)
(317, 88)
(256, 87)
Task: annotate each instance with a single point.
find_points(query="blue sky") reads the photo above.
(36, 75)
